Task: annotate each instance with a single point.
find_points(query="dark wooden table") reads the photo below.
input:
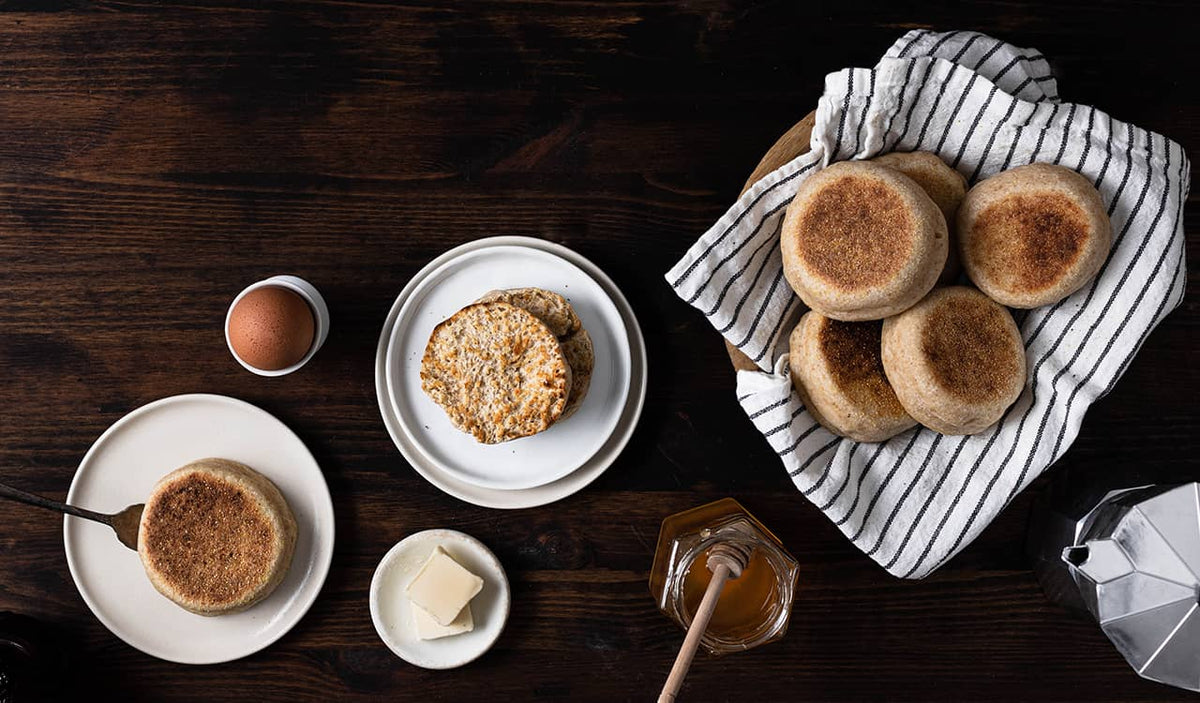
(155, 157)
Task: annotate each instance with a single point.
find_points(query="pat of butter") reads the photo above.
(443, 587)
(429, 629)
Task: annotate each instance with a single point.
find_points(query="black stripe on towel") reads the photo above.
(882, 487)
(863, 477)
(903, 497)
(1066, 367)
(808, 462)
(1066, 329)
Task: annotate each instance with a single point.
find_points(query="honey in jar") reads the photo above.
(754, 608)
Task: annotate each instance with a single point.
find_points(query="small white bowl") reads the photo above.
(391, 611)
(315, 303)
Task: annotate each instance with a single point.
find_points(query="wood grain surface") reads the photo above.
(158, 156)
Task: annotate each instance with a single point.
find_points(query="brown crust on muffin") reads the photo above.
(856, 234)
(852, 351)
(862, 241)
(955, 360)
(837, 372)
(966, 340)
(1033, 235)
(1030, 240)
(498, 372)
(945, 186)
(216, 536)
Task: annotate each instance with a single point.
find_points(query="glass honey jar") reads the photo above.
(753, 608)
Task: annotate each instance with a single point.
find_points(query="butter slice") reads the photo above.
(443, 587)
(429, 629)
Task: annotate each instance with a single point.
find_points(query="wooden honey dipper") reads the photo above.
(726, 560)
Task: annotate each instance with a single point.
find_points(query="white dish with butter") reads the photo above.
(628, 407)
(395, 616)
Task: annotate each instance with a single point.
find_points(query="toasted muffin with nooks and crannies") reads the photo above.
(548, 306)
(216, 537)
(862, 241)
(945, 186)
(554, 310)
(838, 373)
(1033, 235)
(955, 360)
(498, 372)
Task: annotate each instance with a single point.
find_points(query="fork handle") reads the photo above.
(31, 499)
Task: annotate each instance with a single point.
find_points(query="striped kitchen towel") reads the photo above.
(914, 501)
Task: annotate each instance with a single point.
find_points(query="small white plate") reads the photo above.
(122, 467)
(391, 611)
(563, 487)
(529, 461)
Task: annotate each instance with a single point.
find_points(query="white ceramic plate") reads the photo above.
(391, 610)
(550, 492)
(529, 461)
(122, 467)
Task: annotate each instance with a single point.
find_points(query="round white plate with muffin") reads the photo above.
(630, 406)
(485, 389)
(166, 455)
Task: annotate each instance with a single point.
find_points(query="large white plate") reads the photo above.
(122, 467)
(529, 461)
(631, 405)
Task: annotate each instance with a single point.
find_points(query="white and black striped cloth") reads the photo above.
(984, 106)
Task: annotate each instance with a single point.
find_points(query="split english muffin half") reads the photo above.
(558, 315)
(498, 372)
(862, 241)
(216, 537)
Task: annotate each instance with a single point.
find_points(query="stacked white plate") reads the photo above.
(533, 470)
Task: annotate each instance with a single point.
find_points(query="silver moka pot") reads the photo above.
(1133, 561)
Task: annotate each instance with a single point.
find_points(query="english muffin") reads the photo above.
(862, 241)
(548, 306)
(1033, 235)
(216, 537)
(944, 186)
(581, 356)
(955, 360)
(498, 372)
(554, 310)
(838, 373)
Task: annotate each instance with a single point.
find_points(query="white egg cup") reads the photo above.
(315, 303)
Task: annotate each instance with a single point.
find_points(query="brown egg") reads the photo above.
(271, 328)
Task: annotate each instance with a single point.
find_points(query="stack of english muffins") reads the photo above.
(509, 365)
(876, 248)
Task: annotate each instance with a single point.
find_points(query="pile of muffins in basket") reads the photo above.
(875, 249)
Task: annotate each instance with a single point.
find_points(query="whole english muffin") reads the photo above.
(1033, 235)
(216, 536)
(945, 186)
(554, 310)
(955, 360)
(498, 372)
(548, 306)
(838, 373)
(862, 241)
